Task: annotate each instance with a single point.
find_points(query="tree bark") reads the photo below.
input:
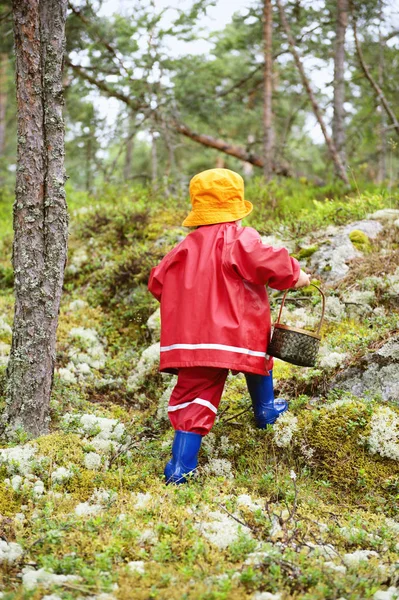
(3, 100)
(316, 109)
(128, 165)
(40, 213)
(338, 126)
(154, 161)
(377, 89)
(382, 149)
(268, 90)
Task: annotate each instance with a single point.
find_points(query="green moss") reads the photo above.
(306, 252)
(63, 449)
(335, 435)
(9, 501)
(360, 240)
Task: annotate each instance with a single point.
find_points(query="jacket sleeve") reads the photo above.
(155, 283)
(157, 276)
(261, 264)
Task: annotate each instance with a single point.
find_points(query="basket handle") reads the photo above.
(323, 297)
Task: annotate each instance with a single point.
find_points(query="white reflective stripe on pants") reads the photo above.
(195, 401)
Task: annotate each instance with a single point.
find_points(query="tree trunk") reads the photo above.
(382, 149)
(89, 161)
(316, 109)
(128, 166)
(339, 80)
(3, 100)
(40, 214)
(268, 89)
(377, 89)
(154, 161)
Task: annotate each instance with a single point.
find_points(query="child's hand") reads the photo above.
(303, 280)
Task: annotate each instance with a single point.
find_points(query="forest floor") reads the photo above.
(305, 509)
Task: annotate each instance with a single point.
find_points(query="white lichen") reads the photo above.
(99, 500)
(18, 459)
(328, 358)
(222, 530)
(284, 429)
(77, 304)
(354, 558)
(142, 500)
(136, 566)
(4, 353)
(147, 363)
(61, 474)
(384, 433)
(32, 578)
(245, 500)
(10, 552)
(392, 593)
(92, 461)
(219, 467)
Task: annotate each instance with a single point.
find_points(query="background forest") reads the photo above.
(301, 98)
(161, 98)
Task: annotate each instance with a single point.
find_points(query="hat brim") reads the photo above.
(211, 217)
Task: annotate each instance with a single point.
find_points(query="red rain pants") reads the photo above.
(195, 398)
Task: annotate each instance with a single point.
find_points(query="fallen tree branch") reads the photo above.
(230, 149)
(206, 140)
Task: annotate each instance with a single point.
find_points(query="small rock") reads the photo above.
(386, 214)
(336, 250)
(278, 242)
(376, 373)
(154, 325)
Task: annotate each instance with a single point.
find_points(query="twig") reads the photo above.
(236, 518)
(235, 416)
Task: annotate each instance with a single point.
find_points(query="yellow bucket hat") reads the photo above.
(217, 196)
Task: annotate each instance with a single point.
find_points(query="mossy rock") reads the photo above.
(360, 240)
(306, 252)
(336, 437)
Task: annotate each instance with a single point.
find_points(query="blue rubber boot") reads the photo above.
(184, 460)
(266, 408)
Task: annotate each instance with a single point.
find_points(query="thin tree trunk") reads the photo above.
(316, 109)
(154, 161)
(338, 126)
(40, 214)
(89, 157)
(268, 89)
(379, 93)
(382, 149)
(128, 166)
(3, 100)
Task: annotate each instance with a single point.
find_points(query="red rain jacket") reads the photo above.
(214, 306)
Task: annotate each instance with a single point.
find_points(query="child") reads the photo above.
(215, 313)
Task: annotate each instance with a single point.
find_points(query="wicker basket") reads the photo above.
(293, 345)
